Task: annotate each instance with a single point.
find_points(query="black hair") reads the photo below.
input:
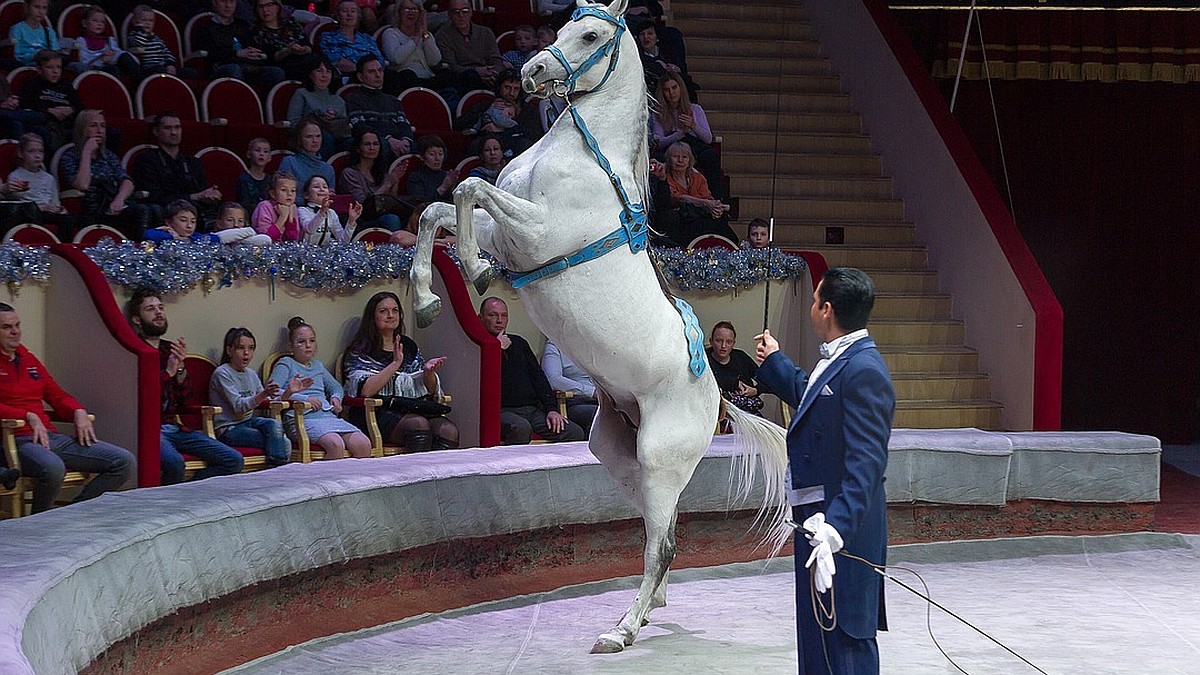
(367, 338)
(177, 207)
(231, 337)
(429, 141)
(5, 307)
(852, 295)
(158, 118)
(317, 63)
(363, 61)
(139, 296)
(378, 168)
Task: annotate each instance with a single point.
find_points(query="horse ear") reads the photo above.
(617, 8)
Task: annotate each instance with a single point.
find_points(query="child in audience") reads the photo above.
(32, 183)
(236, 388)
(546, 36)
(323, 396)
(55, 99)
(758, 234)
(180, 223)
(526, 42)
(253, 184)
(34, 34)
(98, 51)
(151, 51)
(276, 217)
(231, 226)
(318, 222)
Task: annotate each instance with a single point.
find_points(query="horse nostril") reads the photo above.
(537, 69)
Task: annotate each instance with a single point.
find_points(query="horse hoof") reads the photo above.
(427, 314)
(483, 281)
(608, 644)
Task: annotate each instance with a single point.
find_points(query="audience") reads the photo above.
(527, 403)
(277, 216)
(430, 182)
(699, 212)
(368, 180)
(469, 49)
(346, 45)
(26, 388)
(231, 226)
(167, 174)
(317, 99)
(383, 362)
(226, 39)
(678, 119)
(281, 39)
(412, 52)
(321, 395)
(30, 182)
(98, 51)
(734, 369)
(180, 223)
(152, 53)
(55, 99)
(34, 34)
(758, 234)
(369, 104)
(254, 183)
(565, 376)
(491, 153)
(305, 160)
(149, 319)
(97, 172)
(319, 224)
(525, 43)
(235, 387)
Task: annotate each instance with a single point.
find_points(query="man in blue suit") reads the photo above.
(837, 451)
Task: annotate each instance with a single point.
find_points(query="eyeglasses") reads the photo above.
(461, 10)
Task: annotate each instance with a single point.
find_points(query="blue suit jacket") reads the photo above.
(838, 440)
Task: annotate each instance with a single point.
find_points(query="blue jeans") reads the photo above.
(112, 466)
(220, 459)
(260, 432)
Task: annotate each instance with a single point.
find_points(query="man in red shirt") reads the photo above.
(46, 455)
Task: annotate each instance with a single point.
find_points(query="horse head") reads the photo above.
(583, 56)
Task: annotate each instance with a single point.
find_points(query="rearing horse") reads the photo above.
(568, 212)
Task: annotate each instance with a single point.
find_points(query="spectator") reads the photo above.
(14, 119)
(98, 51)
(491, 153)
(758, 234)
(369, 104)
(678, 119)
(525, 45)
(167, 174)
(151, 52)
(565, 376)
(276, 217)
(34, 34)
(316, 99)
(180, 223)
(30, 182)
(306, 160)
(699, 212)
(527, 403)
(369, 182)
(546, 35)
(316, 389)
(319, 224)
(734, 369)
(559, 12)
(97, 172)
(382, 361)
(235, 387)
(56, 100)
(411, 51)
(510, 116)
(281, 39)
(345, 46)
(430, 182)
(469, 49)
(227, 40)
(149, 320)
(254, 183)
(669, 46)
(231, 226)
(26, 388)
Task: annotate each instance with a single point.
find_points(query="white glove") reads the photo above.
(825, 541)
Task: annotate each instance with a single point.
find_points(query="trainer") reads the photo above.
(837, 451)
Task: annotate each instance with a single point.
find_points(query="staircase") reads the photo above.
(750, 56)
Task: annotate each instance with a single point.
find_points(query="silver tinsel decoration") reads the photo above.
(178, 266)
(19, 263)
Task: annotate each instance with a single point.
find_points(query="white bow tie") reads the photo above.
(827, 349)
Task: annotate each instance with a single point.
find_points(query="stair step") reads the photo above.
(791, 208)
(903, 281)
(937, 414)
(940, 386)
(882, 257)
(861, 233)
(912, 306)
(736, 30)
(828, 144)
(699, 66)
(766, 121)
(754, 82)
(686, 11)
(770, 101)
(919, 359)
(720, 46)
(812, 186)
(917, 331)
(797, 163)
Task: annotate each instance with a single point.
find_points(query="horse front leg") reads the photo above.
(427, 305)
(506, 210)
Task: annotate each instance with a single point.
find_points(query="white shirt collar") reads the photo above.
(834, 348)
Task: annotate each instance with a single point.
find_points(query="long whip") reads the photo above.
(774, 175)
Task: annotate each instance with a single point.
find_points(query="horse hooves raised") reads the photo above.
(427, 314)
(483, 281)
(608, 644)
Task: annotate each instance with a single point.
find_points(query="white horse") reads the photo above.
(569, 211)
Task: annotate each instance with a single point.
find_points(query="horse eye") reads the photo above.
(590, 37)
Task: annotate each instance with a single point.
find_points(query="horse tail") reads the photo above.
(762, 446)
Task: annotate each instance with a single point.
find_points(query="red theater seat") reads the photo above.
(164, 27)
(427, 111)
(277, 101)
(31, 235)
(373, 235)
(94, 234)
(713, 241)
(198, 414)
(231, 100)
(476, 98)
(222, 168)
(277, 159)
(17, 78)
(159, 93)
(8, 157)
(97, 89)
(70, 22)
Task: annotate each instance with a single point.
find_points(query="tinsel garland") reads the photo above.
(19, 263)
(177, 266)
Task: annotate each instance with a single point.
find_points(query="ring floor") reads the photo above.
(1094, 605)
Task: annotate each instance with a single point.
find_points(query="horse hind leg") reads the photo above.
(427, 305)
(466, 196)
